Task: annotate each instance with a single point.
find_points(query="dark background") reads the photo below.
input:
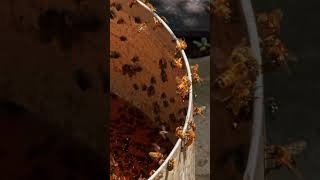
(299, 94)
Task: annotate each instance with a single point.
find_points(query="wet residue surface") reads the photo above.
(131, 138)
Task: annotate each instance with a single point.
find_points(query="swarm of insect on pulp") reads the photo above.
(232, 75)
(221, 8)
(199, 111)
(283, 155)
(141, 27)
(195, 73)
(183, 86)
(241, 96)
(269, 23)
(171, 164)
(181, 45)
(274, 48)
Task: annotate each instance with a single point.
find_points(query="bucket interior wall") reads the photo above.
(142, 69)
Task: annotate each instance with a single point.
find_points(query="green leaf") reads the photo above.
(198, 44)
(203, 48)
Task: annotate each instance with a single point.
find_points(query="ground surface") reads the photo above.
(203, 125)
(298, 94)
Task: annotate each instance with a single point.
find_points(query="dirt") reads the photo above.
(131, 138)
(230, 144)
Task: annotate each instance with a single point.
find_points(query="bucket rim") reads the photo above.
(258, 105)
(190, 100)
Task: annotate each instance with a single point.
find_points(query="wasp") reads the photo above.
(183, 86)
(228, 78)
(142, 27)
(269, 23)
(283, 155)
(171, 164)
(195, 73)
(181, 44)
(221, 8)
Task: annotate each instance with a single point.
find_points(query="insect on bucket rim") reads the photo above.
(190, 100)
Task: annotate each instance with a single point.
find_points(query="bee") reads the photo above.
(159, 176)
(178, 62)
(156, 155)
(181, 44)
(142, 27)
(199, 111)
(240, 54)
(112, 161)
(179, 132)
(241, 96)
(183, 86)
(132, 2)
(156, 147)
(192, 125)
(171, 164)
(156, 23)
(190, 137)
(233, 74)
(275, 49)
(269, 23)
(163, 132)
(221, 8)
(195, 73)
(151, 7)
(283, 155)
(152, 172)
